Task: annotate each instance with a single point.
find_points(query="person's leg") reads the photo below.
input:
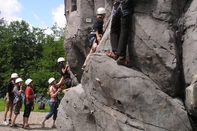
(114, 33)
(125, 28)
(53, 126)
(61, 81)
(92, 50)
(43, 123)
(55, 115)
(27, 114)
(25, 122)
(127, 11)
(5, 113)
(10, 115)
(51, 111)
(27, 118)
(24, 114)
(16, 112)
(13, 120)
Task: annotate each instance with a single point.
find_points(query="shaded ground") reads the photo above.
(35, 120)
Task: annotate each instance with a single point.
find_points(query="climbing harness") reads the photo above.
(92, 38)
(120, 12)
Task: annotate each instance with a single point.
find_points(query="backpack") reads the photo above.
(41, 105)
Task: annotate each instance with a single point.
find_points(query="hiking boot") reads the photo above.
(42, 125)
(112, 55)
(124, 62)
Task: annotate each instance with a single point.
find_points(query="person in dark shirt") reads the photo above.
(9, 98)
(119, 34)
(96, 33)
(64, 71)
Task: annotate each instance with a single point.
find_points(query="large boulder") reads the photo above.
(119, 99)
(148, 96)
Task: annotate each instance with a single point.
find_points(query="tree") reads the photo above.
(30, 53)
(47, 65)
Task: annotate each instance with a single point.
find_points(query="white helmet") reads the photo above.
(51, 80)
(14, 75)
(101, 11)
(28, 81)
(18, 80)
(60, 59)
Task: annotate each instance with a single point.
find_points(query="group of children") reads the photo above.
(15, 95)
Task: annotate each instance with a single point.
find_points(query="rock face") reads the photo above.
(151, 95)
(191, 97)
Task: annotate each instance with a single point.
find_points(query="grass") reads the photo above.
(2, 107)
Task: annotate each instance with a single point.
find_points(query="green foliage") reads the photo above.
(30, 53)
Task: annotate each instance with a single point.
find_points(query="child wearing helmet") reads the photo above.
(10, 97)
(96, 33)
(17, 100)
(53, 102)
(64, 71)
(29, 102)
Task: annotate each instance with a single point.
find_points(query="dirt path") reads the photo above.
(35, 120)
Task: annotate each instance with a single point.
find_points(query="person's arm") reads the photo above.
(52, 93)
(16, 91)
(65, 69)
(60, 82)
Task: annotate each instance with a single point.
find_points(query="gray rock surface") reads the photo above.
(189, 38)
(191, 97)
(151, 95)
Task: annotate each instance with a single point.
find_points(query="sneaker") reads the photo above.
(42, 125)
(112, 55)
(124, 62)
(53, 126)
(5, 122)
